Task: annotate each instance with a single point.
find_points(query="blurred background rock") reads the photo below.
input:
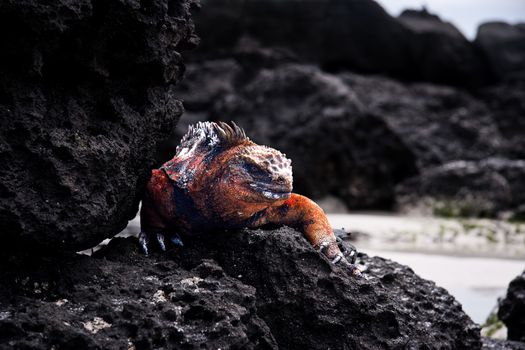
(380, 112)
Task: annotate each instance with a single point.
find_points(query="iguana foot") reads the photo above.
(175, 239)
(347, 254)
(160, 239)
(144, 239)
(354, 270)
(348, 250)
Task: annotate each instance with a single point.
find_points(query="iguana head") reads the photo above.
(259, 173)
(238, 167)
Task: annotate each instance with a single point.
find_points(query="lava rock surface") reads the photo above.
(86, 93)
(79, 302)
(259, 289)
(512, 309)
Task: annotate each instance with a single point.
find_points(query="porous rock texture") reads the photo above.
(512, 309)
(86, 92)
(125, 302)
(243, 289)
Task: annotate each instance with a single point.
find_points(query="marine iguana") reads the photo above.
(219, 178)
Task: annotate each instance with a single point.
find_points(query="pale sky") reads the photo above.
(464, 14)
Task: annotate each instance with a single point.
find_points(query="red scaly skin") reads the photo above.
(233, 183)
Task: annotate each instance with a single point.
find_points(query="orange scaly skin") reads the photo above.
(304, 215)
(221, 179)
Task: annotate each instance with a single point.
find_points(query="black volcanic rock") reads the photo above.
(243, 289)
(440, 52)
(344, 34)
(507, 105)
(504, 46)
(468, 188)
(438, 123)
(422, 21)
(512, 309)
(78, 302)
(308, 303)
(86, 92)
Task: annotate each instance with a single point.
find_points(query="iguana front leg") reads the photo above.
(153, 217)
(306, 216)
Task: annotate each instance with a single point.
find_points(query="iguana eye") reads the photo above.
(254, 170)
(251, 168)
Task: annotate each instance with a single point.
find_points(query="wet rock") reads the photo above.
(243, 289)
(467, 188)
(504, 46)
(512, 309)
(86, 92)
(357, 35)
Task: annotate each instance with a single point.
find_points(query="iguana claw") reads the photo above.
(175, 239)
(338, 258)
(144, 239)
(349, 251)
(346, 256)
(355, 270)
(160, 239)
(323, 246)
